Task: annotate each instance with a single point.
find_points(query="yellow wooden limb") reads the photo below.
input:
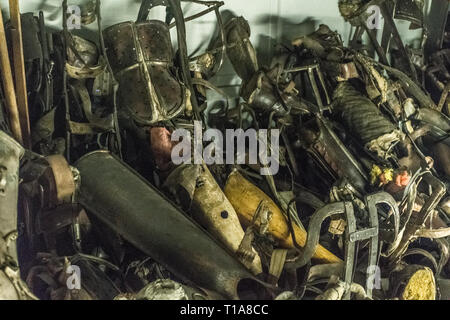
(245, 198)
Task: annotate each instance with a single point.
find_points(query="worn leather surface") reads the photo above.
(141, 58)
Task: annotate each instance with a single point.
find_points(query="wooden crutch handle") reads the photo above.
(8, 85)
(19, 71)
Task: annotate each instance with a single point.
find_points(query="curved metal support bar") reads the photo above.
(315, 224)
(383, 197)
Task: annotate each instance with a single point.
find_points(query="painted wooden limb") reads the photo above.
(211, 208)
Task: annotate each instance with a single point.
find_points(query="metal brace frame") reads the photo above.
(69, 123)
(360, 21)
(311, 69)
(409, 230)
(353, 235)
(385, 198)
(371, 202)
(212, 6)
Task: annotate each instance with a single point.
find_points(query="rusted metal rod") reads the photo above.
(214, 4)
